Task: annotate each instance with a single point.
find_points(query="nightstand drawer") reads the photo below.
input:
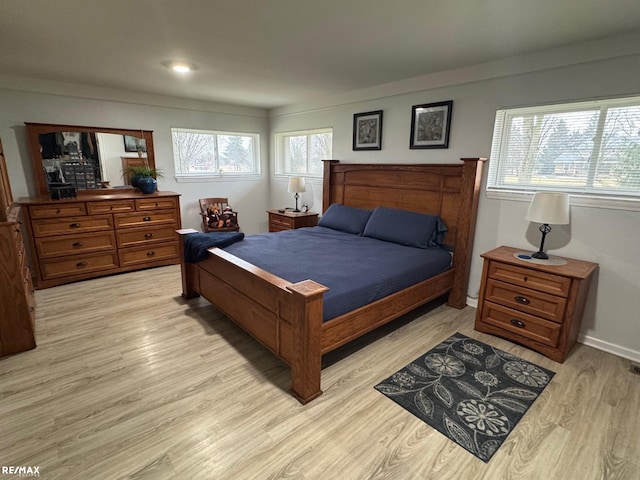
(526, 300)
(528, 326)
(278, 221)
(530, 278)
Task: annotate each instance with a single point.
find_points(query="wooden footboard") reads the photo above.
(287, 317)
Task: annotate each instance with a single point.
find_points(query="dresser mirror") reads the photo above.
(92, 159)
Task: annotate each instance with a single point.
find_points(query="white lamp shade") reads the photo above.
(549, 207)
(296, 185)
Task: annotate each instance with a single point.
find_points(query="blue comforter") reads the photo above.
(358, 270)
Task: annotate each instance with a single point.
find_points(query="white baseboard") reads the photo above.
(617, 350)
(472, 302)
(612, 348)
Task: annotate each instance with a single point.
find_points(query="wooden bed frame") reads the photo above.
(287, 317)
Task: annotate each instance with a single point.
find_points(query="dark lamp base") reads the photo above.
(540, 256)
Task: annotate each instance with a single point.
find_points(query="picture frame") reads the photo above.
(134, 144)
(367, 130)
(430, 125)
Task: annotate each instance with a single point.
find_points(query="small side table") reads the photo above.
(289, 220)
(536, 305)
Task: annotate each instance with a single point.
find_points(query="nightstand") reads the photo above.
(289, 220)
(536, 305)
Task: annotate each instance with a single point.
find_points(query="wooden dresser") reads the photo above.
(94, 235)
(17, 304)
(289, 220)
(539, 306)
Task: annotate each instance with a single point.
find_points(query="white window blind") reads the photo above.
(585, 148)
(302, 152)
(199, 153)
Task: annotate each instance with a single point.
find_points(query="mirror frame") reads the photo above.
(35, 129)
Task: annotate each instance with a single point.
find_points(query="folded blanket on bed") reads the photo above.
(197, 244)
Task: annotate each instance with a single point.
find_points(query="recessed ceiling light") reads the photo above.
(180, 67)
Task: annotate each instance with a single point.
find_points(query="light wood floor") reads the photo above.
(130, 381)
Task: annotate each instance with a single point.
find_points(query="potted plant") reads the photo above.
(144, 177)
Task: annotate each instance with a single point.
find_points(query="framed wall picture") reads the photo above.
(134, 144)
(367, 130)
(430, 124)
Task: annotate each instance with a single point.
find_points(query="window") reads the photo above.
(589, 149)
(201, 153)
(301, 153)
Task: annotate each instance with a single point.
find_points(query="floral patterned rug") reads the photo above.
(471, 392)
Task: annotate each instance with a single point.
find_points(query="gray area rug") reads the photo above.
(473, 393)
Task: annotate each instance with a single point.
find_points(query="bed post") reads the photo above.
(467, 212)
(307, 332)
(327, 194)
(186, 270)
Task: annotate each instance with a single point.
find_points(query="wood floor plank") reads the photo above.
(130, 381)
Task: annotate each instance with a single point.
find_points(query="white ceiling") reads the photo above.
(269, 53)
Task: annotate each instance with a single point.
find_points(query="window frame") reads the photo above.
(218, 173)
(582, 196)
(279, 150)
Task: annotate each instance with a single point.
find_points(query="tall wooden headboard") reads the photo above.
(448, 190)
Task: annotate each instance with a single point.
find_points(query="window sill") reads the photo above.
(227, 177)
(580, 200)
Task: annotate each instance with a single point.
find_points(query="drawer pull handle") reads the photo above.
(81, 264)
(148, 235)
(146, 219)
(78, 244)
(74, 225)
(150, 253)
(518, 323)
(522, 300)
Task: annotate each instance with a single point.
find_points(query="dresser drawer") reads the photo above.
(148, 254)
(57, 210)
(49, 247)
(527, 277)
(520, 323)
(133, 237)
(70, 225)
(112, 206)
(142, 219)
(159, 203)
(76, 265)
(526, 300)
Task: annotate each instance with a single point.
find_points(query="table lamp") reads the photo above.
(296, 185)
(548, 208)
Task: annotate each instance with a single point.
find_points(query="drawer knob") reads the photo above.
(74, 225)
(150, 253)
(522, 300)
(78, 244)
(81, 264)
(518, 323)
(148, 235)
(146, 219)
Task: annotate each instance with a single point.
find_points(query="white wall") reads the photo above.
(608, 237)
(250, 198)
(599, 69)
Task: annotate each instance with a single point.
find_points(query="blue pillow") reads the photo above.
(346, 219)
(402, 226)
